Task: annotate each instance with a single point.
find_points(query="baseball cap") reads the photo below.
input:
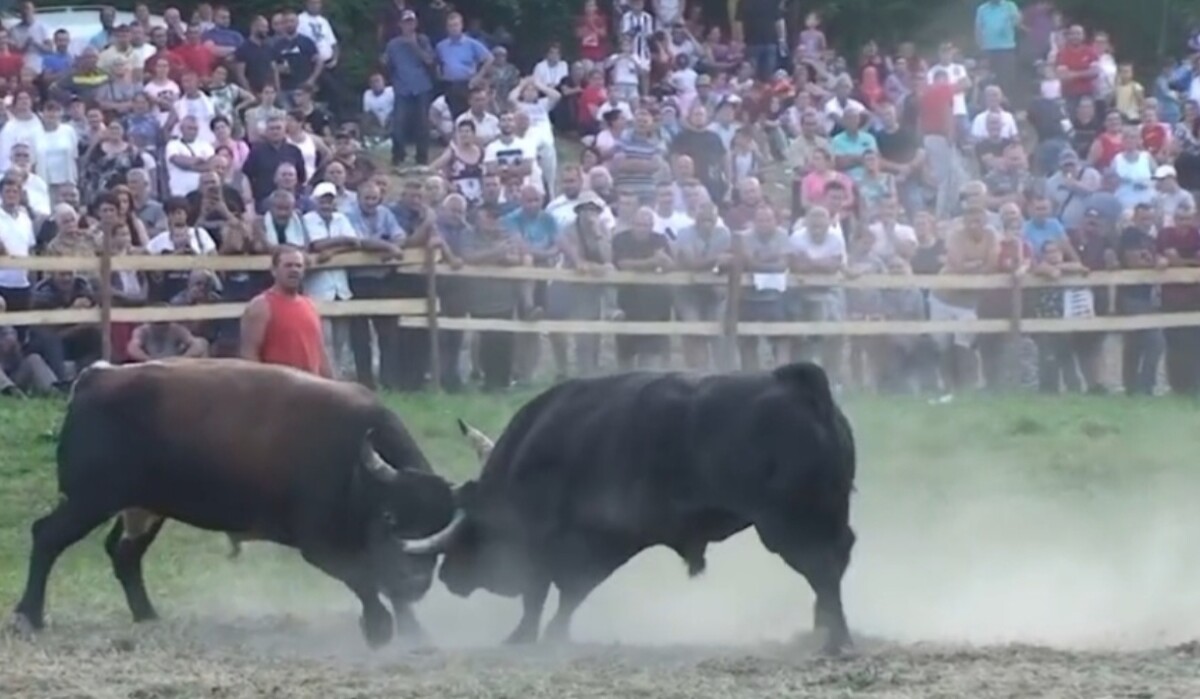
(1068, 156)
(408, 16)
(325, 189)
(1165, 171)
(588, 205)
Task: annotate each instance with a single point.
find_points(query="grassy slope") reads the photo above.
(1078, 450)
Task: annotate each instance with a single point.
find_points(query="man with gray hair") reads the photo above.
(145, 206)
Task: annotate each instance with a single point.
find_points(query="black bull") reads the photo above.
(593, 471)
(257, 451)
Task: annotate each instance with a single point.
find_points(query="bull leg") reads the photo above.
(70, 521)
(822, 564)
(408, 626)
(571, 594)
(533, 601)
(127, 542)
(376, 621)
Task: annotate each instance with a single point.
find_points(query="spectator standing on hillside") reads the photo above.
(760, 26)
(410, 61)
(297, 58)
(281, 325)
(461, 59)
(316, 27)
(254, 65)
(996, 25)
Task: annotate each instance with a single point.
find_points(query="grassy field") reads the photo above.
(1099, 465)
(989, 531)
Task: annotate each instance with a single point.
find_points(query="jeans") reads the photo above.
(1142, 350)
(386, 332)
(764, 58)
(81, 347)
(1183, 360)
(457, 93)
(452, 300)
(496, 354)
(1056, 361)
(410, 121)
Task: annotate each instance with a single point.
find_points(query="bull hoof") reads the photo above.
(521, 637)
(557, 633)
(145, 616)
(377, 630)
(22, 626)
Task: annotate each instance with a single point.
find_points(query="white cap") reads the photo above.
(325, 189)
(1164, 171)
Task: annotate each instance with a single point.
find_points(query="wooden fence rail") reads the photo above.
(423, 313)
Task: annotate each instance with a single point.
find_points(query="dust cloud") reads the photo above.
(956, 561)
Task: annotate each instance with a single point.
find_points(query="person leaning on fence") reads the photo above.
(164, 340)
(67, 348)
(817, 249)
(587, 249)
(765, 251)
(490, 243)
(908, 362)
(640, 249)
(706, 247)
(1180, 245)
(972, 247)
(1142, 350)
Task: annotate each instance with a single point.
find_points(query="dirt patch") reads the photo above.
(288, 657)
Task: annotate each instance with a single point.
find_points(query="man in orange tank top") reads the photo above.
(281, 325)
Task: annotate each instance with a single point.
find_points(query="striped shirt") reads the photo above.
(638, 151)
(639, 26)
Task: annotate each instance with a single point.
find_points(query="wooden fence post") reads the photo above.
(431, 318)
(105, 282)
(733, 298)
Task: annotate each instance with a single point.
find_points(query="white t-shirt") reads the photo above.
(832, 248)
(440, 115)
(201, 243)
(19, 131)
(183, 182)
(381, 105)
(684, 81)
(143, 53)
(16, 233)
(317, 28)
(676, 222)
(57, 156)
(885, 245)
(519, 150)
(155, 90)
(538, 111)
(957, 73)
(668, 12)
(626, 69)
(200, 107)
(487, 127)
(1008, 125)
(550, 75)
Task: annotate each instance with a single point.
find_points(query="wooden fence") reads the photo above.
(424, 313)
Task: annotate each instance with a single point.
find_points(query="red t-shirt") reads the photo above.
(937, 110)
(293, 336)
(198, 58)
(1111, 146)
(1078, 58)
(11, 64)
(590, 100)
(593, 38)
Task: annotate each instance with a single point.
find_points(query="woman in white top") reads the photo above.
(312, 148)
(535, 100)
(23, 126)
(161, 89)
(1135, 168)
(57, 151)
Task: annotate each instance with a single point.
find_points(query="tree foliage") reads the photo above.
(1143, 30)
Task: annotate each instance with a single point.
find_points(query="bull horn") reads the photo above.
(435, 543)
(379, 468)
(480, 442)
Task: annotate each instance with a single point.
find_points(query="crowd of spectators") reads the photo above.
(670, 141)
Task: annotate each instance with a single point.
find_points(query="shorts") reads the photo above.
(940, 310)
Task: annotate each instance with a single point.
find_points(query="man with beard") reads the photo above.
(254, 61)
(706, 150)
(571, 194)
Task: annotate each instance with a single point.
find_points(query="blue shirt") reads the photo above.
(539, 230)
(845, 144)
(408, 71)
(226, 38)
(57, 63)
(996, 25)
(1038, 234)
(460, 58)
(382, 226)
(100, 40)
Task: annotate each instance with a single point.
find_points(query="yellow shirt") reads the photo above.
(1129, 98)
